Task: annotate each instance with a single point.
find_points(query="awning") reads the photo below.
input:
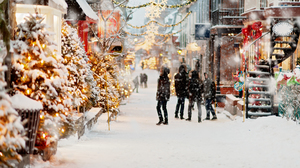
(88, 11)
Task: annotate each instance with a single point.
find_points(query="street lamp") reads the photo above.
(179, 51)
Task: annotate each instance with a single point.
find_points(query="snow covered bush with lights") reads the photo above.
(11, 128)
(80, 79)
(106, 74)
(38, 72)
(289, 94)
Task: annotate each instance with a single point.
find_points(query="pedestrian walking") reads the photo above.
(163, 95)
(209, 90)
(195, 95)
(181, 90)
(145, 80)
(136, 84)
(141, 79)
(143, 65)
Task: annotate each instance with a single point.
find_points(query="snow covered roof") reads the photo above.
(87, 9)
(61, 3)
(20, 101)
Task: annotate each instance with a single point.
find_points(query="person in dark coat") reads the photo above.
(195, 95)
(136, 84)
(163, 95)
(141, 79)
(209, 91)
(145, 80)
(181, 90)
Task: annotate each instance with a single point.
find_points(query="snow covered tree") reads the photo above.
(84, 88)
(106, 74)
(103, 62)
(38, 73)
(11, 128)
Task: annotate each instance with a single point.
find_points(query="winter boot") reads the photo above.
(188, 119)
(214, 117)
(199, 119)
(181, 117)
(166, 122)
(159, 122)
(207, 118)
(176, 116)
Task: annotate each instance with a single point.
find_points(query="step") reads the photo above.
(259, 72)
(292, 35)
(259, 113)
(259, 92)
(254, 85)
(258, 79)
(278, 55)
(282, 48)
(259, 107)
(284, 42)
(262, 66)
(261, 99)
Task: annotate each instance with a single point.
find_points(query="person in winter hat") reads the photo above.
(181, 90)
(163, 95)
(136, 84)
(209, 91)
(145, 80)
(195, 88)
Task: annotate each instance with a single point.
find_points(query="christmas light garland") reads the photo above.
(162, 35)
(160, 24)
(156, 43)
(150, 3)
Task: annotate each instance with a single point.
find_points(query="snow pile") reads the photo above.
(20, 101)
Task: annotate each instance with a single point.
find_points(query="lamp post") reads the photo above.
(179, 51)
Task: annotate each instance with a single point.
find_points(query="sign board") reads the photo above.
(202, 31)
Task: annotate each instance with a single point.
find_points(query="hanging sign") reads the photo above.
(202, 31)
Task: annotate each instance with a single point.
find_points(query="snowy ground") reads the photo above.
(135, 141)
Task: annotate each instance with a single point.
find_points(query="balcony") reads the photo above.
(228, 16)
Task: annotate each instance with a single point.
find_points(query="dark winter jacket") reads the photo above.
(195, 87)
(145, 77)
(181, 82)
(209, 89)
(163, 87)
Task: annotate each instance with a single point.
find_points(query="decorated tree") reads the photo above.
(104, 61)
(38, 73)
(83, 87)
(11, 128)
(106, 74)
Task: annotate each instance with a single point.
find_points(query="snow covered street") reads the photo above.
(134, 141)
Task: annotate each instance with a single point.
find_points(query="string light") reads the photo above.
(160, 24)
(147, 4)
(162, 35)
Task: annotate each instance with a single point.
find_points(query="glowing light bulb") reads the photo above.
(42, 62)
(1, 154)
(44, 136)
(29, 58)
(56, 114)
(22, 66)
(41, 116)
(62, 130)
(28, 91)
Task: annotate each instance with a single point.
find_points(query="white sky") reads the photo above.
(139, 14)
